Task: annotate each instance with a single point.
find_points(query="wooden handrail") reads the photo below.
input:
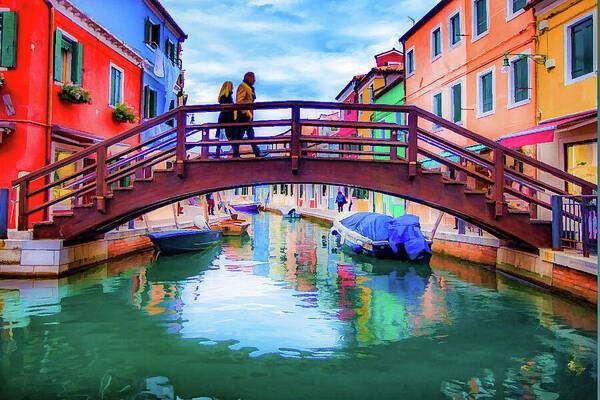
(359, 141)
(353, 124)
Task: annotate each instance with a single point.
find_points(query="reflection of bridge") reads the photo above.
(477, 192)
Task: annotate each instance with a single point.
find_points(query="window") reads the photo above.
(301, 191)
(410, 62)
(371, 93)
(152, 33)
(456, 102)
(68, 59)
(454, 29)
(360, 101)
(436, 42)
(514, 6)
(580, 49)
(274, 189)
(361, 194)
(324, 190)
(480, 18)
(486, 93)
(581, 160)
(116, 86)
(8, 39)
(149, 102)
(437, 107)
(519, 80)
(171, 51)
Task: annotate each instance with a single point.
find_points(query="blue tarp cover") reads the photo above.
(404, 230)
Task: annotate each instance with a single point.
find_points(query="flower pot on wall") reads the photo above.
(122, 113)
(74, 94)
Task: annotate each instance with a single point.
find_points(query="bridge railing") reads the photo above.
(575, 223)
(417, 138)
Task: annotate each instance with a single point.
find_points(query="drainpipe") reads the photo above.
(49, 94)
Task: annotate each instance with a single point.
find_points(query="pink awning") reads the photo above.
(543, 133)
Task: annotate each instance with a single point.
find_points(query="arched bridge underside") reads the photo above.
(388, 177)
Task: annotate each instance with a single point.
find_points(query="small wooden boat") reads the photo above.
(382, 236)
(290, 213)
(184, 240)
(248, 208)
(229, 225)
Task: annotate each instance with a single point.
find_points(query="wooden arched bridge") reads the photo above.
(436, 169)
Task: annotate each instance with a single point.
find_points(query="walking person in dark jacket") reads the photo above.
(340, 201)
(245, 95)
(227, 117)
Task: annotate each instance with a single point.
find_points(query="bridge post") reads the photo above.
(180, 147)
(412, 144)
(204, 150)
(295, 145)
(557, 221)
(22, 222)
(498, 192)
(394, 149)
(101, 186)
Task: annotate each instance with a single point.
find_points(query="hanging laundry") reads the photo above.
(159, 64)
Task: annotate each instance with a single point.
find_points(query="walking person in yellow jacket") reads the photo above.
(244, 95)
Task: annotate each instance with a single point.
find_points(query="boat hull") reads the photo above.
(231, 227)
(355, 244)
(250, 208)
(290, 213)
(183, 241)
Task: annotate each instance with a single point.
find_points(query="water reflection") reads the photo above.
(279, 310)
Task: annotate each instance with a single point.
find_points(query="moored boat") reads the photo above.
(290, 213)
(184, 240)
(382, 236)
(229, 225)
(248, 208)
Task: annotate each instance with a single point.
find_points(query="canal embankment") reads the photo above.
(565, 272)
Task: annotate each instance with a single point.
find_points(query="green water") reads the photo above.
(279, 316)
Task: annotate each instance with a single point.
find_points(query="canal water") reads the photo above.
(280, 316)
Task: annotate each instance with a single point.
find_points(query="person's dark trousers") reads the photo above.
(340, 207)
(249, 131)
(232, 134)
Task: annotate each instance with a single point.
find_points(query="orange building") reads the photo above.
(454, 65)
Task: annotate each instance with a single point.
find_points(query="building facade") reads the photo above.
(51, 53)
(567, 130)
(148, 28)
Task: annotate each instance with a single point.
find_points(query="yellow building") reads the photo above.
(567, 85)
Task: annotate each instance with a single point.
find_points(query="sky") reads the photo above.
(299, 49)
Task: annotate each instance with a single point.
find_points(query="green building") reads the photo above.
(391, 94)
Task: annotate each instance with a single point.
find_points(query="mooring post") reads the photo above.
(412, 144)
(3, 213)
(180, 147)
(498, 192)
(295, 145)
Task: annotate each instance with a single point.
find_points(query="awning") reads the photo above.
(544, 132)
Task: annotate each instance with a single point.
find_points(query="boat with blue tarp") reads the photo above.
(290, 213)
(184, 240)
(382, 236)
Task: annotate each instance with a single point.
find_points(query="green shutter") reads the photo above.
(113, 85)
(152, 103)
(517, 5)
(58, 56)
(487, 92)
(9, 39)
(146, 102)
(77, 64)
(481, 16)
(456, 103)
(521, 80)
(455, 25)
(147, 30)
(582, 48)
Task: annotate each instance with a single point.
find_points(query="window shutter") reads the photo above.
(152, 103)
(456, 103)
(111, 101)
(146, 102)
(147, 30)
(9, 40)
(58, 56)
(77, 64)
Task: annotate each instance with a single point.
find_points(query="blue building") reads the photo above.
(148, 28)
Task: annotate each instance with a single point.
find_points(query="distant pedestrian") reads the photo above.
(245, 95)
(210, 201)
(227, 117)
(340, 201)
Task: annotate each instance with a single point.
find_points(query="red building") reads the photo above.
(46, 45)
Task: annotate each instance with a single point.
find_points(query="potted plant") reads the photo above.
(74, 94)
(123, 113)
